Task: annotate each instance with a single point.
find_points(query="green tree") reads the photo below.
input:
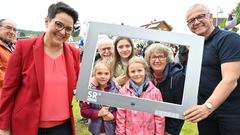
(236, 11)
(29, 33)
(222, 24)
(76, 33)
(22, 34)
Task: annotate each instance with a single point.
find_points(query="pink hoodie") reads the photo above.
(131, 122)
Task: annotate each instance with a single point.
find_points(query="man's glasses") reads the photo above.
(105, 49)
(9, 28)
(160, 57)
(60, 26)
(199, 18)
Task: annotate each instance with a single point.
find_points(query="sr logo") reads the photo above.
(92, 96)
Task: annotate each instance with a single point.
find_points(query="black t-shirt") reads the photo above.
(221, 47)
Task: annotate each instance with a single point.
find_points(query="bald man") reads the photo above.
(218, 109)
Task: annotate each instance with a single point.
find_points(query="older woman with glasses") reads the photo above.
(169, 78)
(40, 79)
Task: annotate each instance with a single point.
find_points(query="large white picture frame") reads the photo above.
(84, 93)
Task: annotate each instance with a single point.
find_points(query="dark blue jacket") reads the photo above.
(171, 87)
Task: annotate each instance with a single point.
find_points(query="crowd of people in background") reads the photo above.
(38, 77)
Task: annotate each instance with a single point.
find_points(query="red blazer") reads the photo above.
(24, 82)
(4, 57)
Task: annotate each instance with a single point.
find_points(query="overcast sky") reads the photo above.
(30, 14)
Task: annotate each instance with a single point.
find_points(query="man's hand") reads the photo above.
(197, 113)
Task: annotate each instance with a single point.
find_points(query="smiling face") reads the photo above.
(105, 50)
(158, 61)
(124, 48)
(200, 21)
(102, 74)
(8, 31)
(137, 73)
(59, 28)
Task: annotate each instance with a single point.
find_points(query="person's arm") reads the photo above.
(11, 84)
(174, 126)
(159, 119)
(2, 72)
(230, 75)
(87, 111)
(121, 117)
(160, 124)
(121, 121)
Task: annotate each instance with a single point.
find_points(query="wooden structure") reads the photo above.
(159, 25)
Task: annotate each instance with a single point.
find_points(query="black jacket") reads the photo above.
(171, 87)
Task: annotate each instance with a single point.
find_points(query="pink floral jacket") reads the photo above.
(131, 122)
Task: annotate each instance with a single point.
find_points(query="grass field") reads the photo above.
(188, 128)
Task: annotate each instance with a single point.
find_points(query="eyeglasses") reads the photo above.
(105, 49)
(60, 26)
(9, 28)
(160, 57)
(199, 18)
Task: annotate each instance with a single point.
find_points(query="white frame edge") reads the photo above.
(161, 108)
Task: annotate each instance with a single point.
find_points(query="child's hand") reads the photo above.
(103, 111)
(94, 82)
(108, 117)
(122, 79)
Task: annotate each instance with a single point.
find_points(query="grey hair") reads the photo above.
(1, 21)
(104, 40)
(198, 4)
(158, 47)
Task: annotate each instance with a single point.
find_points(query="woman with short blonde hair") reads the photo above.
(168, 77)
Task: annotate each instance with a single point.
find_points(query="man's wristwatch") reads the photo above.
(209, 105)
